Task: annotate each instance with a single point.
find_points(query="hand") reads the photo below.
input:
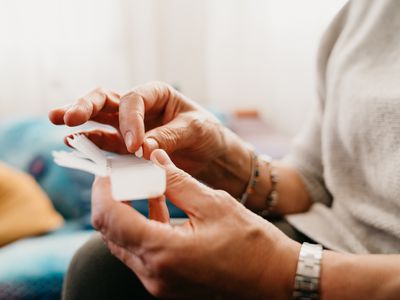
(223, 249)
(153, 116)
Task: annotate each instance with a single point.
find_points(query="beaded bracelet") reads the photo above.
(255, 173)
(273, 197)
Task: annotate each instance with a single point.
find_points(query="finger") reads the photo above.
(133, 105)
(129, 258)
(89, 106)
(114, 97)
(122, 224)
(105, 140)
(158, 210)
(86, 108)
(170, 137)
(56, 115)
(183, 190)
(107, 119)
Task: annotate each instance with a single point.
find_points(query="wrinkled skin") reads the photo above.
(223, 249)
(153, 116)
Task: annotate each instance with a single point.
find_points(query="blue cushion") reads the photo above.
(34, 268)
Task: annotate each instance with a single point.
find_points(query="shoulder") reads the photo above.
(327, 44)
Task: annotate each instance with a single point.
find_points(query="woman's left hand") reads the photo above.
(223, 249)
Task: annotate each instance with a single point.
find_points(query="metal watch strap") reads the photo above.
(308, 272)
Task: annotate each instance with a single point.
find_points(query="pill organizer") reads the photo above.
(132, 178)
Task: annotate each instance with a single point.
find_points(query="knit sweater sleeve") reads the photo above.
(306, 158)
(307, 155)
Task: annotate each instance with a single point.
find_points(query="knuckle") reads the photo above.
(162, 266)
(98, 89)
(200, 125)
(97, 220)
(197, 123)
(178, 178)
(96, 92)
(166, 133)
(168, 137)
(82, 101)
(125, 105)
(137, 114)
(157, 289)
(162, 88)
(131, 96)
(121, 255)
(159, 85)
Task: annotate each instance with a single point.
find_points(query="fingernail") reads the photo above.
(129, 139)
(151, 144)
(161, 158)
(139, 152)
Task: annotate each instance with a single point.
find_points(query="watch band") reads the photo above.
(308, 272)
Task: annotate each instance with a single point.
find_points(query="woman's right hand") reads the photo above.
(153, 116)
(156, 116)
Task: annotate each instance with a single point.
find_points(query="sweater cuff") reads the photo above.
(312, 178)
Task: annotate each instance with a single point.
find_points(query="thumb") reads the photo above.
(121, 223)
(182, 189)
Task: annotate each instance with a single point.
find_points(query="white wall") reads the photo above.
(262, 53)
(54, 51)
(182, 45)
(222, 53)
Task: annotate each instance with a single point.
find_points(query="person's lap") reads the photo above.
(94, 273)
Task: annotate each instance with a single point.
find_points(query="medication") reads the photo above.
(132, 178)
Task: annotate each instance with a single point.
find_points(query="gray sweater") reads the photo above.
(349, 152)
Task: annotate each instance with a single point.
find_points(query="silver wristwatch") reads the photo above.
(306, 285)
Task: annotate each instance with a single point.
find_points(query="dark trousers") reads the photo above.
(94, 273)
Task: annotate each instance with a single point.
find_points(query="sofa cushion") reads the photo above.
(34, 268)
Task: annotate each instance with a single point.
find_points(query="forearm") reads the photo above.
(231, 172)
(293, 195)
(345, 276)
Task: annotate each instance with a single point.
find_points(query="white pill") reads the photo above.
(139, 152)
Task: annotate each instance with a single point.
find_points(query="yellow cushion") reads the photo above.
(25, 210)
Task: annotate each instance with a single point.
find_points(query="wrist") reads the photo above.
(307, 281)
(258, 200)
(279, 278)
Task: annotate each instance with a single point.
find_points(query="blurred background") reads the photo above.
(224, 54)
(252, 62)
